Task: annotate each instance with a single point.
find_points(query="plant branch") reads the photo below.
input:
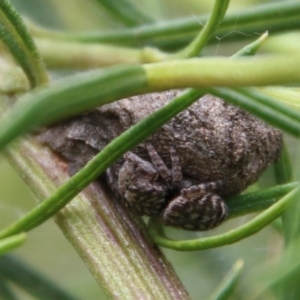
(6, 292)
(15, 36)
(195, 47)
(12, 242)
(257, 201)
(125, 11)
(269, 112)
(207, 72)
(274, 17)
(225, 288)
(31, 281)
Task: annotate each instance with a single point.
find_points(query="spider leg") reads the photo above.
(139, 186)
(176, 167)
(196, 208)
(157, 161)
(173, 177)
(202, 188)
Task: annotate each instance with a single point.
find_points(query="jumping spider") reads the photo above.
(181, 174)
(152, 189)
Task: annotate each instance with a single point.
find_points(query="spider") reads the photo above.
(153, 189)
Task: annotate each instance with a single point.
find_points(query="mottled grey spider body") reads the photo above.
(180, 174)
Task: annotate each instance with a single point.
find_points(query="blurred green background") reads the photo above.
(48, 251)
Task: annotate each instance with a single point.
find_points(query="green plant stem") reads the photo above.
(226, 287)
(5, 291)
(281, 278)
(257, 201)
(278, 16)
(207, 72)
(286, 43)
(125, 11)
(230, 237)
(269, 102)
(12, 242)
(252, 48)
(290, 223)
(31, 281)
(59, 54)
(283, 167)
(15, 36)
(290, 218)
(195, 47)
(288, 96)
(269, 114)
(13, 80)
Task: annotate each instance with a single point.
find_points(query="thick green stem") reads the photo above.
(16, 37)
(207, 72)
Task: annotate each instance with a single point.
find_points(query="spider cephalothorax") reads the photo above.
(180, 174)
